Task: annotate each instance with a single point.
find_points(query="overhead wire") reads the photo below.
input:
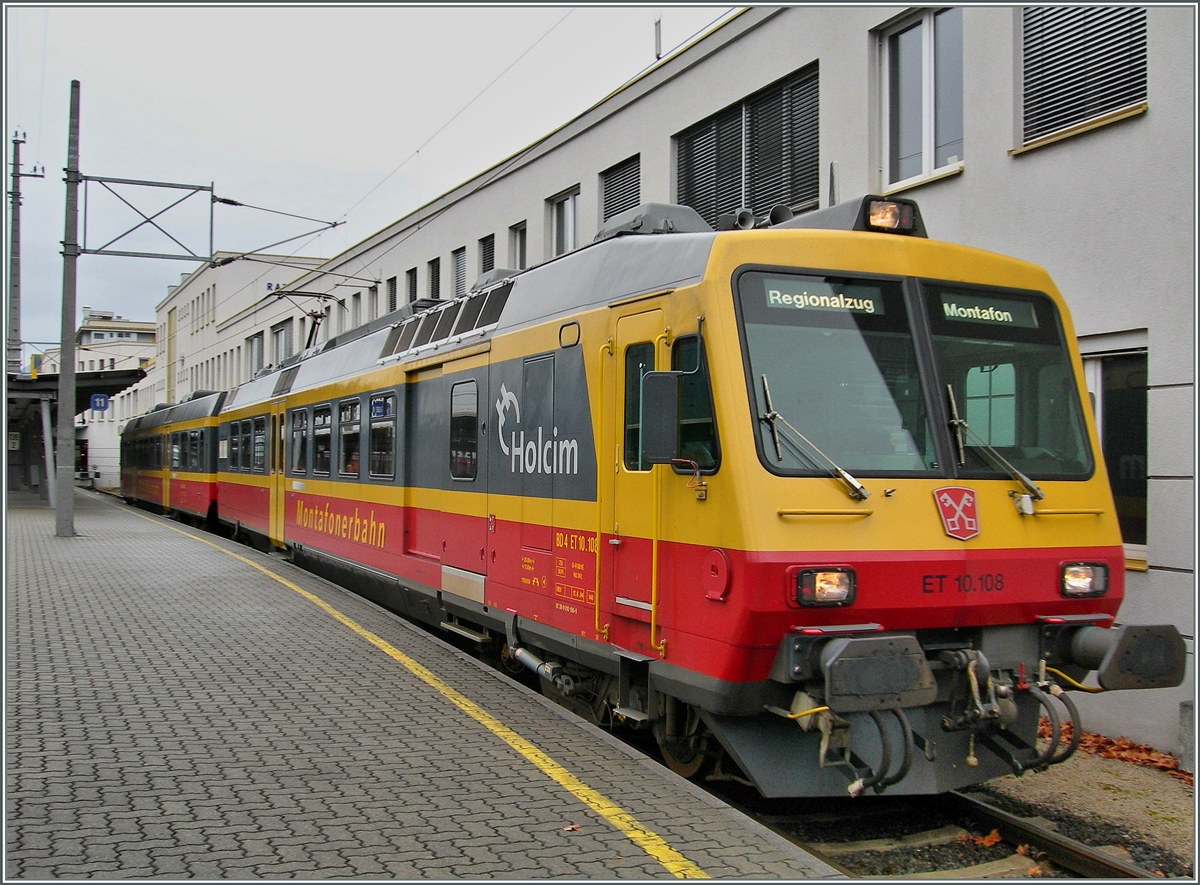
(456, 115)
(505, 165)
(415, 153)
(500, 169)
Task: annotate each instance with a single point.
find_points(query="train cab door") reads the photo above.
(631, 545)
(276, 473)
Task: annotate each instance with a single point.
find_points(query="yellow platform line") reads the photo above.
(623, 821)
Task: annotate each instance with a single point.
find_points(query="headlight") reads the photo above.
(825, 587)
(1084, 579)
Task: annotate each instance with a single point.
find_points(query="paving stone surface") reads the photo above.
(172, 712)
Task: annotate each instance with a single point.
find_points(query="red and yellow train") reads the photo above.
(820, 504)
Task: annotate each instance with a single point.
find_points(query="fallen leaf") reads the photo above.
(989, 840)
(1023, 850)
(570, 828)
(1033, 871)
(1120, 748)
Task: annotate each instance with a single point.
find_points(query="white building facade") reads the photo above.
(104, 342)
(221, 325)
(1061, 135)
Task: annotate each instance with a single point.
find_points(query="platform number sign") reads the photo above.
(99, 402)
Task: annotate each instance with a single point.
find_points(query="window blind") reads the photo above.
(1080, 62)
(621, 186)
(757, 153)
(459, 257)
(487, 253)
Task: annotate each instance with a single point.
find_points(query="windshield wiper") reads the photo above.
(853, 487)
(960, 424)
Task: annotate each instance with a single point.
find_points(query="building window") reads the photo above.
(621, 186)
(923, 95)
(487, 254)
(464, 430)
(356, 310)
(759, 153)
(1080, 63)
(564, 223)
(410, 279)
(348, 437)
(281, 341)
(516, 246)
(992, 403)
(391, 293)
(372, 302)
(382, 460)
(458, 259)
(435, 279)
(254, 354)
(1118, 387)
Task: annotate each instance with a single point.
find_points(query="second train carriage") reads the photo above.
(823, 502)
(169, 457)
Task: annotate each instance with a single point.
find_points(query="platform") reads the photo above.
(180, 705)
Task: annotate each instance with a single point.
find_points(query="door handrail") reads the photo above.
(606, 346)
(661, 645)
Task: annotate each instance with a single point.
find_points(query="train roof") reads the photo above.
(655, 247)
(593, 276)
(204, 404)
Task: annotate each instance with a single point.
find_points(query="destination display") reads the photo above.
(990, 310)
(801, 294)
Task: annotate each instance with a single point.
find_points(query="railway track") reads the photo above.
(953, 836)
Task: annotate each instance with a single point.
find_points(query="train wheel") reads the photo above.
(686, 752)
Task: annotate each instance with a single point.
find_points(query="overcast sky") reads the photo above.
(306, 111)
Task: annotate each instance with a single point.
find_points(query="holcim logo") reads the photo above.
(957, 507)
(540, 453)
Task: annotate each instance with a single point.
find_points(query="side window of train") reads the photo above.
(259, 464)
(235, 447)
(464, 430)
(382, 460)
(639, 359)
(246, 443)
(176, 452)
(322, 439)
(300, 442)
(349, 438)
(697, 425)
(193, 458)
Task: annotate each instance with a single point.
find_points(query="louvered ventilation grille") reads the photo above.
(1081, 63)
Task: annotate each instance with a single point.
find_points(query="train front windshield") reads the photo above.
(836, 358)
(833, 368)
(1002, 356)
